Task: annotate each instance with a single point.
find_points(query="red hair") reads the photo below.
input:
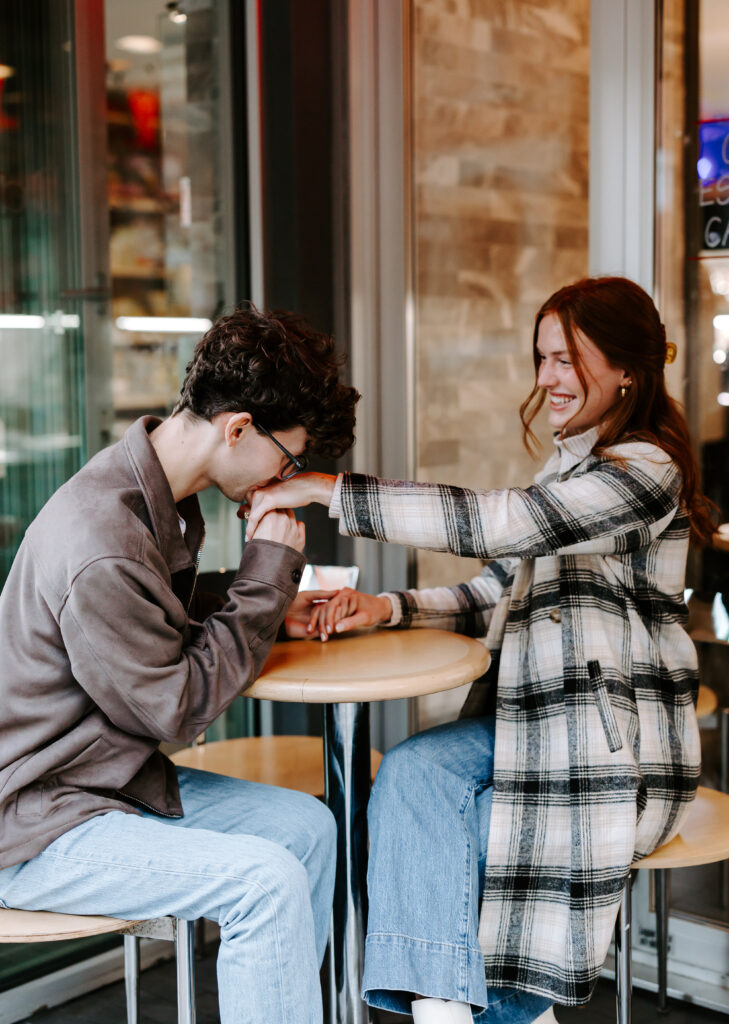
(620, 319)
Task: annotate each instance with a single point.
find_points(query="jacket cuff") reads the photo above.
(275, 564)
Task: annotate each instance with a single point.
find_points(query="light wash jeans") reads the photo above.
(429, 822)
(258, 860)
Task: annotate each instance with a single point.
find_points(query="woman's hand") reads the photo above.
(348, 609)
(301, 610)
(281, 526)
(296, 492)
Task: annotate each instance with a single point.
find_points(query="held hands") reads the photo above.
(347, 609)
(301, 611)
(295, 492)
(281, 526)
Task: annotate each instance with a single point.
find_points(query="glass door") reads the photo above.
(115, 253)
(42, 406)
(45, 307)
(170, 207)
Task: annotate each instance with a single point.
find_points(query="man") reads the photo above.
(107, 650)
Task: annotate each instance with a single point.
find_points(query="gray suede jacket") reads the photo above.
(103, 656)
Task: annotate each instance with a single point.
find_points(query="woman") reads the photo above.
(505, 839)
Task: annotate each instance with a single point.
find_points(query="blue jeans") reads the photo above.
(258, 860)
(429, 822)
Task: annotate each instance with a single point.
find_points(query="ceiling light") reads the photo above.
(719, 356)
(138, 44)
(164, 324)
(29, 322)
(723, 398)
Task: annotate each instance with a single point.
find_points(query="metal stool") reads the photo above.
(43, 926)
(703, 839)
(706, 704)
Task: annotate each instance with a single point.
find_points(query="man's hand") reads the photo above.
(296, 492)
(281, 526)
(348, 609)
(301, 610)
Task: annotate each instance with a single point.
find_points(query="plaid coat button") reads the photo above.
(555, 615)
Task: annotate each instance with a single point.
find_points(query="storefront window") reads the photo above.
(169, 216)
(41, 349)
(71, 335)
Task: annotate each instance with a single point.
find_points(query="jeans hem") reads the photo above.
(399, 966)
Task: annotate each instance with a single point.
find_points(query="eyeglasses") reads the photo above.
(294, 464)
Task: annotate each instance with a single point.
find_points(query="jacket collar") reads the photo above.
(179, 552)
(572, 450)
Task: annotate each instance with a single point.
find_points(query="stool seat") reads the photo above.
(706, 701)
(293, 762)
(704, 835)
(44, 926)
(702, 839)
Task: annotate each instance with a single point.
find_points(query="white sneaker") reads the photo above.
(441, 1011)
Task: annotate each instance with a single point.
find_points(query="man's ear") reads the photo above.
(237, 424)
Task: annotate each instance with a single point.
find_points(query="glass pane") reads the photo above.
(168, 238)
(500, 183)
(41, 353)
(41, 322)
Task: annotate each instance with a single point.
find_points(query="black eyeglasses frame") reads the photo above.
(300, 462)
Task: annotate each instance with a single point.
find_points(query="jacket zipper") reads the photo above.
(197, 566)
(149, 807)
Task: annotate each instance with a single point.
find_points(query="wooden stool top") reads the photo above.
(43, 926)
(294, 762)
(704, 835)
(706, 702)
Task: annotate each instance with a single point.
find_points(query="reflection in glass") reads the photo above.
(41, 355)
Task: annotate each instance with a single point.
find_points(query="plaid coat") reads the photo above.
(597, 746)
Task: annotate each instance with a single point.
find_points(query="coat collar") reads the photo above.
(179, 552)
(572, 450)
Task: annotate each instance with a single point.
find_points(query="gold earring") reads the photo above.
(624, 389)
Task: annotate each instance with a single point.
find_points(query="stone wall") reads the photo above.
(500, 164)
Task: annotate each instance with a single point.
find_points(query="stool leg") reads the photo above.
(200, 946)
(662, 889)
(623, 979)
(184, 950)
(131, 977)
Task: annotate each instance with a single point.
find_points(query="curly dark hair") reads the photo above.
(279, 369)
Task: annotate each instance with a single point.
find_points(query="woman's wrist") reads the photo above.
(386, 613)
(323, 488)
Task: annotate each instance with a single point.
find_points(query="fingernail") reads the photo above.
(329, 629)
(309, 628)
(324, 636)
(339, 627)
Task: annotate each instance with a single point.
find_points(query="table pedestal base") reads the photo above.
(346, 789)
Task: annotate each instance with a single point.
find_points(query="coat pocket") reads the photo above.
(605, 708)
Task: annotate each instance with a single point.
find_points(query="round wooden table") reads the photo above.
(345, 675)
